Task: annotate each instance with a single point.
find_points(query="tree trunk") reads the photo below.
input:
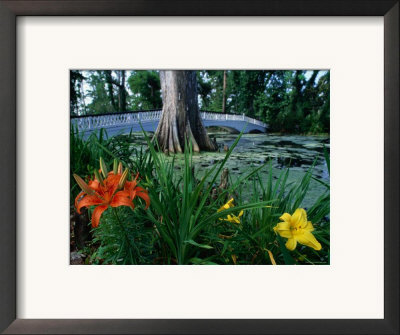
(121, 92)
(110, 88)
(120, 83)
(224, 94)
(180, 118)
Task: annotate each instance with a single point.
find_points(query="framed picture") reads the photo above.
(272, 89)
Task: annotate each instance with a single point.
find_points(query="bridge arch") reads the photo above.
(229, 130)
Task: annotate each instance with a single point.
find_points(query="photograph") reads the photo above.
(199, 133)
(199, 167)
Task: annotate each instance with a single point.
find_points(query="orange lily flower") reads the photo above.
(103, 195)
(132, 191)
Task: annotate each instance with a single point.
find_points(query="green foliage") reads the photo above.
(124, 239)
(146, 89)
(250, 241)
(181, 207)
(204, 88)
(85, 154)
(289, 101)
(75, 90)
(99, 94)
(245, 89)
(183, 224)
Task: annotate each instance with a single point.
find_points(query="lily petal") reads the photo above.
(228, 205)
(130, 184)
(124, 193)
(309, 240)
(112, 182)
(97, 214)
(285, 217)
(144, 195)
(81, 193)
(283, 225)
(121, 200)
(232, 219)
(228, 218)
(283, 229)
(94, 184)
(309, 226)
(291, 244)
(235, 219)
(299, 217)
(87, 201)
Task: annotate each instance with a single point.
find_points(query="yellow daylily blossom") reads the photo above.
(230, 217)
(233, 218)
(296, 228)
(228, 205)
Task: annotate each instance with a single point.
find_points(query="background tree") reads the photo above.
(121, 91)
(216, 79)
(288, 101)
(224, 93)
(276, 99)
(204, 88)
(180, 120)
(248, 86)
(322, 123)
(119, 82)
(75, 91)
(98, 93)
(109, 80)
(146, 89)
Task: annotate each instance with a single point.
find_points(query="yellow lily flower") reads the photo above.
(296, 228)
(233, 218)
(228, 205)
(230, 217)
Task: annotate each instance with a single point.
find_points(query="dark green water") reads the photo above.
(296, 152)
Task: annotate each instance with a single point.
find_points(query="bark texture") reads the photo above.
(120, 83)
(224, 94)
(180, 118)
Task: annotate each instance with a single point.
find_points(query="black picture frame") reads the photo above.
(9, 10)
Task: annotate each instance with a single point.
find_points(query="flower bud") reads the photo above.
(103, 167)
(120, 168)
(123, 179)
(85, 187)
(99, 177)
(115, 166)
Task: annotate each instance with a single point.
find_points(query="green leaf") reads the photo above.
(204, 246)
(327, 159)
(287, 257)
(199, 261)
(321, 182)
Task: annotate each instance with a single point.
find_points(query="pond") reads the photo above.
(293, 151)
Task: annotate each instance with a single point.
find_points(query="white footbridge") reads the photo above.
(123, 123)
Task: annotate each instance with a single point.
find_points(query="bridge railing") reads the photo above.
(231, 117)
(116, 120)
